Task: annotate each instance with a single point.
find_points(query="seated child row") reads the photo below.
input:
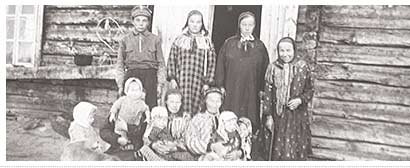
(133, 132)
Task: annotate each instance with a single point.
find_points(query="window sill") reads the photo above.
(61, 72)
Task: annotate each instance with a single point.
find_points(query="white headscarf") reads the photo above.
(128, 82)
(81, 113)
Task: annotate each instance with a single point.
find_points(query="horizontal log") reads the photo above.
(363, 54)
(376, 37)
(361, 131)
(392, 76)
(85, 33)
(364, 111)
(32, 113)
(397, 17)
(93, 83)
(86, 16)
(105, 7)
(362, 92)
(61, 92)
(81, 48)
(54, 60)
(62, 72)
(359, 151)
(37, 103)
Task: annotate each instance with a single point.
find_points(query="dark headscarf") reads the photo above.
(279, 62)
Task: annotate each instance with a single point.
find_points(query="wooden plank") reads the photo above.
(364, 111)
(102, 7)
(392, 76)
(348, 150)
(362, 92)
(86, 16)
(84, 33)
(397, 17)
(354, 36)
(363, 131)
(35, 103)
(53, 60)
(32, 113)
(62, 92)
(82, 48)
(363, 54)
(62, 72)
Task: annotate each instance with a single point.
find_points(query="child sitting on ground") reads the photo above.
(85, 143)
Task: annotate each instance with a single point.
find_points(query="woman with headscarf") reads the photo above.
(240, 69)
(288, 91)
(191, 62)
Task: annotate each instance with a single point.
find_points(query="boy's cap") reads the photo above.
(141, 10)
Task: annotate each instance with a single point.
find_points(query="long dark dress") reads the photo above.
(241, 73)
(291, 127)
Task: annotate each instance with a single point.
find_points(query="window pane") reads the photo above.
(27, 9)
(9, 52)
(26, 52)
(26, 30)
(10, 27)
(11, 9)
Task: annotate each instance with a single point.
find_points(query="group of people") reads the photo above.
(215, 105)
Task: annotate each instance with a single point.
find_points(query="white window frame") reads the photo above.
(38, 16)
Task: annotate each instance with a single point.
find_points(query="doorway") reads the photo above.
(225, 22)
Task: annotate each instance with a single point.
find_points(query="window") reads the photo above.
(23, 32)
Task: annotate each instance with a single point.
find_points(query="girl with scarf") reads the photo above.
(288, 91)
(240, 69)
(126, 123)
(191, 62)
(204, 124)
(167, 142)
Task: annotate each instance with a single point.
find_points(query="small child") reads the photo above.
(129, 109)
(83, 137)
(245, 131)
(157, 129)
(227, 145)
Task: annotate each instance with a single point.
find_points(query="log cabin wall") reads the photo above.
(361, 58)
(69, 28)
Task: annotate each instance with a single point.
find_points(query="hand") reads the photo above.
(128, 147)
(234, 155)
(269, 123)
(219, 149)
(204, 88)
(174, 84)
(123, 141)
(294, 103)
(160, 148)
(111, 118)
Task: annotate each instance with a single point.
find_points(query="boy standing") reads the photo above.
(140, 55)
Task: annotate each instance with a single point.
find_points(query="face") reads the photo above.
(174, 103)
(141, 23)
(90, 118)
(195, 24)
(244, 130)
(161, 120)
(247, 25)
(230, 125)
(134, 89)
(213, 102)
(286, 52)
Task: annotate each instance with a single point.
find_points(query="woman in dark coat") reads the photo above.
(288, 91)
(240, 69)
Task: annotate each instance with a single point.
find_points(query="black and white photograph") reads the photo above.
(207, 82)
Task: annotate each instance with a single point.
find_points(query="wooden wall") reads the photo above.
(41, 98)
(361, 106)
(67, 27)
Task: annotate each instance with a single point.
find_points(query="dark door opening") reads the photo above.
(226, 22)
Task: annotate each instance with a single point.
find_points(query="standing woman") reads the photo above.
(240, 69)
(288, 90)
(140, 56)
(192, 61)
